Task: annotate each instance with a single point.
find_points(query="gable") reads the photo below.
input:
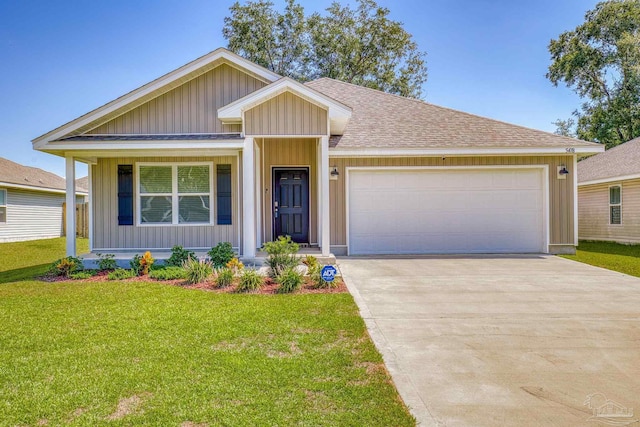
(286, 114)
(189, 108)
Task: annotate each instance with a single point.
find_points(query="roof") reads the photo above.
(82, 184)
(13, 174)
(404, 123)
(622, 161)
(157, 137)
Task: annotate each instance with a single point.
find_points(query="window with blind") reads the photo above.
(175, 193)
(615, 205)
(3, 205)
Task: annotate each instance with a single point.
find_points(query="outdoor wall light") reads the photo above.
(563, 171)
(334, 171)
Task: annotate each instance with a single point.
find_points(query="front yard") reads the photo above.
(143, 353)
(612, 256)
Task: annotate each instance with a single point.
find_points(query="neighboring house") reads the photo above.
(224, 150)
(30, 202)
(609, 195)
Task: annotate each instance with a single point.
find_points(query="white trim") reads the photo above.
(575, 200)
(286, 136)
(157, 84)
(177, 144)
(609, 204)
(258, 194)
(318, 191)
(273, 193)
(612, 179)
(175, 206)
(248, 200)
(43, 189)
(90, 184)
(545, 186)
(91, 157)
(4, 205)
(70, 199)
(428, 152)
(325, 239)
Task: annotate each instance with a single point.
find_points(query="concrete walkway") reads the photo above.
(503, 340)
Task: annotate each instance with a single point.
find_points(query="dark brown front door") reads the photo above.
(291, 204)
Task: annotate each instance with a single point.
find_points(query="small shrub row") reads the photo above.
(168, 273)
(121, 274)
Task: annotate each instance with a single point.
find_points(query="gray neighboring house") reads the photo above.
(31, 202)
(609, 195)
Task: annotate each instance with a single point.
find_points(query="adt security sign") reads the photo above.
(328, 273)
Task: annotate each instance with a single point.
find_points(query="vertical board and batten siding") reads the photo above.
(189, 108)
(109, 235)
(593, 212)
(288, 152)
(32, 215)
(286, 114)
(561, 224)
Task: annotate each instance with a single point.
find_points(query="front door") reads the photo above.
(291, 204)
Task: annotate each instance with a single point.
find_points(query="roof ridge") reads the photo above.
(423, 102)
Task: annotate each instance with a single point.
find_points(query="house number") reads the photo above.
(570, 150)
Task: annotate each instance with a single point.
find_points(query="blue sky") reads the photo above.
(63, 59)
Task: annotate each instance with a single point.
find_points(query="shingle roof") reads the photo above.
(14, 173)
(382, 120)
(82, 184)
(623, 160)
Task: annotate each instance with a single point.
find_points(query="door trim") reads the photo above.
(275, 168)
(545, 190)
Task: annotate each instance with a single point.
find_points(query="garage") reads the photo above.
(444, 211)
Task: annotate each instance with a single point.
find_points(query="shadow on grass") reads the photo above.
(25, 273)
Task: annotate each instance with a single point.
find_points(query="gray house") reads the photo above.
(31, 202)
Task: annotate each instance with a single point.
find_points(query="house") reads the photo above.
(30, 202)
(609, 195)
(224, 150)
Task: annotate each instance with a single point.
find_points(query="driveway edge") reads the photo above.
(401, 379)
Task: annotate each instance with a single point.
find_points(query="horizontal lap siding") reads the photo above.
(289, 152)
(190, 108)
(109, 235)
(32, 215)
(593, 213)
(560, 191)
(286, 114)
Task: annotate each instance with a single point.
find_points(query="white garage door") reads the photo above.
(417, 211)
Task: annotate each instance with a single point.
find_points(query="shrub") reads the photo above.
(290, 280)
(221, 254)
(178, 256)
(120, 274)
(250, 280)
(66, 266)
(107, 262)
(135, 264)
(310, 261)
(282, 255)
(235, 265)
(168, 273)
(197, 271)
(80, 275)
(224, 277)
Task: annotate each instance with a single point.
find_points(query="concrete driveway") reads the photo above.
(503, 340)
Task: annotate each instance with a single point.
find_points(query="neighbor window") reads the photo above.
(615, 204)
(175, 194)
(3, 205)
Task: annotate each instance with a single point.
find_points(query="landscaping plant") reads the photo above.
(221, 254)
(168, 273)
(224, 277)
(66, 266)
(289, 280)
(250, 281)
(178, 256)
(80, 275)
(281, 255)
(197, 271)
(107, 262)
(135, 264)
(235, 265)
(121, 274)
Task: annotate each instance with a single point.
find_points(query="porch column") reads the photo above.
(325, 240)
(70, 177)
(248, 201)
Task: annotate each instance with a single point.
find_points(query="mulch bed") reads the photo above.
(269, 287)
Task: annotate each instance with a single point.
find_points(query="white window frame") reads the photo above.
(175, 206)
(6, 194)
(615, 204)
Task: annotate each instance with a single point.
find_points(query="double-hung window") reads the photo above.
(615, 205)
(3, 205)
(175, 193)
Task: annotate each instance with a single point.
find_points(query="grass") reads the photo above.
(613, 256)
(143, 353)
(26, 260)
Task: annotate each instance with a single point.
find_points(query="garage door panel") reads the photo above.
(462, 211)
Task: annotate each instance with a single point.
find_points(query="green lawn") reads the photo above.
(151, 354)
(613, 256)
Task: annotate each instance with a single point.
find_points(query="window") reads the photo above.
(175, 194)
(615, 205)
(3, 205)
